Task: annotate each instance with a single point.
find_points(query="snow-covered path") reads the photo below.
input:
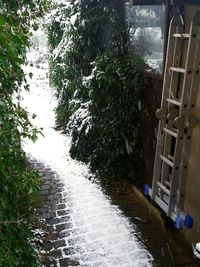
(84, 227)
(102, 235)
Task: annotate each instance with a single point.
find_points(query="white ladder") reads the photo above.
(176, 120)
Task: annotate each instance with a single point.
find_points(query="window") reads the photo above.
(146, 29)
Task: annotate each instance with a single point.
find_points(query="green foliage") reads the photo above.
(18, 185)
(14, 248)
(100, 99)
(59, 71)
(112, 144)
(77, 34)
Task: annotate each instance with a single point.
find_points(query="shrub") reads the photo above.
(100, 102)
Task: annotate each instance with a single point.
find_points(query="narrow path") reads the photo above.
(84, 227)
(93, 231)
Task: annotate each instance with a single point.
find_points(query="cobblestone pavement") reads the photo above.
(84, 226)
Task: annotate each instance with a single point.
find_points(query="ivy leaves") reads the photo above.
(12, 41)
(18, 185)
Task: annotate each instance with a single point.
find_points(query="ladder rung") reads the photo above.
(163, 188)
(174, 101)
(170, 157)
(167, 183)
(177, 69)
(169, 162)
(170, 132)
(162, 202)
(181, 35)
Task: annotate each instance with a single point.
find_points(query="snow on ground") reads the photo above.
(111, 235)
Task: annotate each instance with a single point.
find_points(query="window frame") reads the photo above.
(168, 10)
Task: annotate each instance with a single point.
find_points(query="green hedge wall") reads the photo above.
(18, 185)
(98, 81)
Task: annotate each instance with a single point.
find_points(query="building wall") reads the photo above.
(152, 101)
(152, 97)
(192, 200)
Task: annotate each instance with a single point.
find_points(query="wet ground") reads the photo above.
(85, 224)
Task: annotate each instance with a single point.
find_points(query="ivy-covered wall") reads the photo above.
(18, 185)
(98, 80)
